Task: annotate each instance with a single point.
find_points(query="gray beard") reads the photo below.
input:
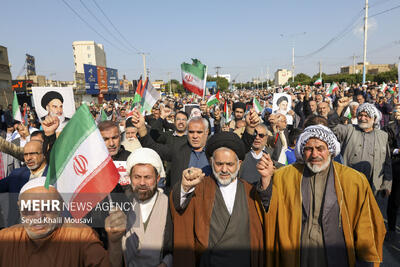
(319, 168)
(365, 125)
(225, 182)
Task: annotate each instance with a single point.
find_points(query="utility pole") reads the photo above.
(217, 69)
(365, 41)
(320, 69)
(267, 77)
(169, 79)
(144, 64)
(354, 63)
(293, 63)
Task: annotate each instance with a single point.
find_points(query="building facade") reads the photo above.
(282, 76)
(6, 96)
(88, 52)
(370, 68)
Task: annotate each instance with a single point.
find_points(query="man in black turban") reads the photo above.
(239, 108)
(53, 101)
(217, 213)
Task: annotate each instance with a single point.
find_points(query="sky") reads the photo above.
(247, 39)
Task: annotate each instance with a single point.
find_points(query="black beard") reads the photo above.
(143, 196)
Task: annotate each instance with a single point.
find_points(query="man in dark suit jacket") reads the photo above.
(183, 155)
(36, 166)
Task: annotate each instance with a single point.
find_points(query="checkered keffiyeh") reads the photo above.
(320, 132)
(372, 112)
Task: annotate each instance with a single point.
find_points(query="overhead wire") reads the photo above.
(92, 28)
(115, 28)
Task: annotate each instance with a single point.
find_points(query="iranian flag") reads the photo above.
(298, 87)
(194, 77)
(15, 109)
(213, 100)
(318, 81)
(331, 89)
(257, 106)
(287, 87)
(227, 114)
(149, 97)
(80, 166)
(384, 87)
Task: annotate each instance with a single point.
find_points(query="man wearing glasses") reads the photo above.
(36, 166)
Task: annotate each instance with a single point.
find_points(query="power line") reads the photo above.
(99, 21)
(336, 38)
(115, 28)
(385, 11)
(92, 28)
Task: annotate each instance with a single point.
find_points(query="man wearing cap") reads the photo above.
(365, 147)
(318, 212)
(215, 217)
(144, 235)
(42, 239)
(52, 101)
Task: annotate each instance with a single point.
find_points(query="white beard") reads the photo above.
(319, 168)
(225, 181)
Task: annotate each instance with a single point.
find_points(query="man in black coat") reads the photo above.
(192, 152)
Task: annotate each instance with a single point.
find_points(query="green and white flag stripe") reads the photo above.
(257, 106)
(213, 100)
(15, 109)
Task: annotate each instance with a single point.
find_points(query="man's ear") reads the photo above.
(158, 178)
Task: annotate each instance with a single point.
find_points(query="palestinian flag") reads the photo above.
(257, 106)
(80, 166)
(347, 113)
(103, 115)
(194, 77)
(138, 93)
(149, 97)
(213, 100)
(15, 109)
(331, 89)
(318, 81)
(227, 114)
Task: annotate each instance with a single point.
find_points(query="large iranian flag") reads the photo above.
(149, 97)
(15, 109)
(194, 77)
(80, 166)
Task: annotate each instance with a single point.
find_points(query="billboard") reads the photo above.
(30, 65)
(22, 86)
(112, 79)
(91, 84)
(211, 85)
(102, 79)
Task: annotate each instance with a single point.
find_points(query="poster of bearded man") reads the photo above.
(54, 101)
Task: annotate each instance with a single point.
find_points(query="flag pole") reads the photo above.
(204, 85)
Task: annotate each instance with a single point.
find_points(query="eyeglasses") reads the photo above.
(261, 135)
(32, 154)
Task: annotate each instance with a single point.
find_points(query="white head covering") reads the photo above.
(33, 183)
(320, 132)
(145, 155)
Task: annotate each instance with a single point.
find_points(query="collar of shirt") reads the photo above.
(38, 173)
(253, 153)
(146, 207)
(229, 194)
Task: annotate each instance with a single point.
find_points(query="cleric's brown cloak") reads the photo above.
(192, 227)
(361, 219)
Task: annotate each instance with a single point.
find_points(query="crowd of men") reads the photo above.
(307, 187)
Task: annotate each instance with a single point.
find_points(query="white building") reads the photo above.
(88, 52)
(226, 76)
(282, 76)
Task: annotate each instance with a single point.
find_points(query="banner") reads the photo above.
(112, 79)
(91, 84)
(22, 86)
(102, 79)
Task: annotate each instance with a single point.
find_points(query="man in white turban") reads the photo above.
(43, 239)
(318, 212)
(145, 233)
